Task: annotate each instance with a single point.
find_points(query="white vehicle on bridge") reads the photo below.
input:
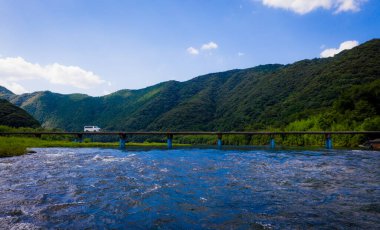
(91, 129)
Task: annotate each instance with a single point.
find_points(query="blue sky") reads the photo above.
(99, 46)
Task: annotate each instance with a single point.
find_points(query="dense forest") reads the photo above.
(13, 116)
(338, 93)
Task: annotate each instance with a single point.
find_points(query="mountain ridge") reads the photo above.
(11, 115)
(264, 96)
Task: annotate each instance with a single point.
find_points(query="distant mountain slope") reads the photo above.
(249, 99)
(13, 116)
(5, 93)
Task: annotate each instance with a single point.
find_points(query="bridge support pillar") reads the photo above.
(220, 142)
(248, 139)
(272, 143)
(79, 138)
(170, 141)
(329, 144)
(122, 140)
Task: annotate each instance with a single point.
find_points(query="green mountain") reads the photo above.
(13, 116)
(5, 93)
(331, 93)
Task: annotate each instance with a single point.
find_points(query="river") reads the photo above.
(190, 188)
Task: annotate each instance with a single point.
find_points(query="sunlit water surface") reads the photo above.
(190, 189)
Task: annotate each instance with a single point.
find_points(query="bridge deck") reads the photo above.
(199, 133)
(169, 135)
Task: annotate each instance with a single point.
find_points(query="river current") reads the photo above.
(191, 188)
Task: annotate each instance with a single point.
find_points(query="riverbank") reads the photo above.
(16, 146)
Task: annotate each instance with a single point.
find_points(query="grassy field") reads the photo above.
(15, 146)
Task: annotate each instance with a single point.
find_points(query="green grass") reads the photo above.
(15, 146)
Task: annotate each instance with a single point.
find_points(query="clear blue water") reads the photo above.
(190, 189)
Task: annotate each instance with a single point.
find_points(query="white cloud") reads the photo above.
(306, 6)
(343, 46)
(13, 71)
(349, 5)
(192, 51)
(209, 46)
(205, 47)
(240, 54)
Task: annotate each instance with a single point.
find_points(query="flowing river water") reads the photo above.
(94, 188)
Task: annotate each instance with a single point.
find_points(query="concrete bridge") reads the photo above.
(123, 135)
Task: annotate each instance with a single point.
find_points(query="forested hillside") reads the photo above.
(320, 94)
(13, 116)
